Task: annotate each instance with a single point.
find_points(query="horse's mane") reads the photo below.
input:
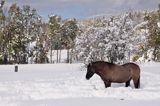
(103, 62)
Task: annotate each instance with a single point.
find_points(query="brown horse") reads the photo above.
(110, 72)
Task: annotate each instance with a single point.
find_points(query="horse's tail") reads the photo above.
(136, 78)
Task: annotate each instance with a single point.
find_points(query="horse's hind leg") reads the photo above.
(137, 82)
(128, 83)
(107, 83)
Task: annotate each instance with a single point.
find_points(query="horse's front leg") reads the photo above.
(107, 83)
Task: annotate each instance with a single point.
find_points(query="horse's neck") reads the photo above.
(99, 70)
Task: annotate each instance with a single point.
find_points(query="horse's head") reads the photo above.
(90, 71)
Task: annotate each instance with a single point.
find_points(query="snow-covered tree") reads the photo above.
(69, 31)
(21, 27)
(54, 34)
(110, 39)
(154, 33)
(3, 49)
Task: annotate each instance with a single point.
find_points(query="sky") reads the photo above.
(81, 9)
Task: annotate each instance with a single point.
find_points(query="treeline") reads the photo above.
(133, 36)
(25, 37)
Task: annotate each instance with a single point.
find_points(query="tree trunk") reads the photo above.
(71, 54)
(129, 56)
(60, 56)
(67, 55)
(57, 55)
(5, 60)
(51, 55)
(155, 53)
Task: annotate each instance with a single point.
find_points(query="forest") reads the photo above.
(25, 36)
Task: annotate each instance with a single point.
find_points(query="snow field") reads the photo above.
(49, 83)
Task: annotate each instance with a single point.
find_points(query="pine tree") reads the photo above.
(3, 50)
(54, 35)
(69, 32)
(154, 34)
(24, 27)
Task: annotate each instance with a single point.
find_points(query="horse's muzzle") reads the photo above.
(87, 78)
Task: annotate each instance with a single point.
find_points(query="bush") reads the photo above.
(135, 58)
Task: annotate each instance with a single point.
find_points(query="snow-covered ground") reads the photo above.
(65, 85)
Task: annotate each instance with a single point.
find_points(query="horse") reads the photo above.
(110, 72)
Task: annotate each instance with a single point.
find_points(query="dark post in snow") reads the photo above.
(16, 68)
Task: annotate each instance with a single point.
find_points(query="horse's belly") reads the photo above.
(121, 78)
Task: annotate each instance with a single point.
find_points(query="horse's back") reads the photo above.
(132, 65)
